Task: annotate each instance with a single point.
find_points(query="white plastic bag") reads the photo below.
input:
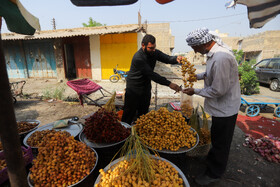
(60, 123)
(186, 105)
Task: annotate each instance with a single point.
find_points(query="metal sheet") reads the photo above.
(40, 59)
(84, 31)
(116, 49)
(82, 57)
(15, 60)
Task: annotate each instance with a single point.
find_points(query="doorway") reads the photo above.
(70, 67)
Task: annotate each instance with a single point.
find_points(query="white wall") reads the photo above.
(94, 42)
(140, 36)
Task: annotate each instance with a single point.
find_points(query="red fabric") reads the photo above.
(83, 86)
(258, 126)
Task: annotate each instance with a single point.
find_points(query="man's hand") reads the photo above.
(189, 91)
(179, 58)
(175, 87)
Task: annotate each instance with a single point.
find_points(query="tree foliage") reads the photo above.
(238, 55)
(92, 23)
(248, 82)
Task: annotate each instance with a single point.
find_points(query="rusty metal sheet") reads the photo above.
(15, 60)
(40, 59)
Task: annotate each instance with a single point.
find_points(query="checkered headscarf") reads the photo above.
(203, 36)
(199, 37)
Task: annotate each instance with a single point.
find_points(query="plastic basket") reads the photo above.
(28, 157)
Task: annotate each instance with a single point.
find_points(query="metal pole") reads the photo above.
(8, 128)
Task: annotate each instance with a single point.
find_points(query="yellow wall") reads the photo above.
(116, 49)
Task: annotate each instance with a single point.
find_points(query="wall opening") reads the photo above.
(70, 67)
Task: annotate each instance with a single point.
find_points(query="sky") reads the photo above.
(184, 16)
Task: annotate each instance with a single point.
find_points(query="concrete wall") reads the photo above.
(271, 44)
(140, 36)
(162, 33)
(196, 58)
(164, 42)
(231, 41)
(58, 53)
(258, 46)
(94, 42)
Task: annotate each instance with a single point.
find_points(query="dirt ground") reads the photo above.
(48, 112)
(245, 167)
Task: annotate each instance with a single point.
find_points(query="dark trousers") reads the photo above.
(222, 130)
(135, 104)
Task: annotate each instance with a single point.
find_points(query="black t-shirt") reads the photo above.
(142, 70)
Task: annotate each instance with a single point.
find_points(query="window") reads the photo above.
(274, 64)
(262, 64)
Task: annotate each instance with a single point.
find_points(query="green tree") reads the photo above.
(238, 55)
(248, 82)
(92, 23)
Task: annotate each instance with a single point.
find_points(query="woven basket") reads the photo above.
(28, 157)
(199, 151)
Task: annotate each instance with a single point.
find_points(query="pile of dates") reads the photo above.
(103, 127)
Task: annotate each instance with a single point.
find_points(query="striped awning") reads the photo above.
(259, 11)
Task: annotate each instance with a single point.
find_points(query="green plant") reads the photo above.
(248, 82)
(57, 93)
(248, 77)
(47, 94)
(238, 55)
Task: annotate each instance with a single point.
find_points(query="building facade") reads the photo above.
(72, 53)
(259, 46)
(89, 52)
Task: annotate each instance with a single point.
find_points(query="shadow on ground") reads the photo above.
(22, 112)
(24, 104)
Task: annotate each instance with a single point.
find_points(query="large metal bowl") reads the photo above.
(83, 138)
(115, 163)
(179, 151)
(96, 155)
(73, 129)
(29, 121)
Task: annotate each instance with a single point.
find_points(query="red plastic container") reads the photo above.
(28, 157)
(120, 113)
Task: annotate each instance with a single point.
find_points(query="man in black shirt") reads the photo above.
(138, 85)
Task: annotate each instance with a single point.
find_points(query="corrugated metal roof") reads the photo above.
(85, 31)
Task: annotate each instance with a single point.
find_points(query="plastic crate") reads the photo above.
(28, 157)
